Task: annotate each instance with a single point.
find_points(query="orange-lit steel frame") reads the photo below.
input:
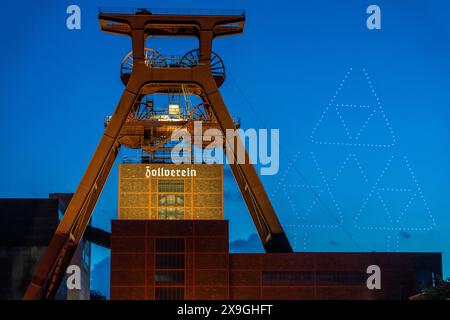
(146, 79)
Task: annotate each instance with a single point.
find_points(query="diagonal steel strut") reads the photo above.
(53, 264)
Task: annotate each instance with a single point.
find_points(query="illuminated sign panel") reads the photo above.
(170, 192)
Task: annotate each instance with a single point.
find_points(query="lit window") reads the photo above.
(171, 186)
(169, 277)
(171, 200)
(170, 204)
(170, 213)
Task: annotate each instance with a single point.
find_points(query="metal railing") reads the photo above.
(174, 61)
(164, 157)
(172, 11)
(171, 61)
(153, 117)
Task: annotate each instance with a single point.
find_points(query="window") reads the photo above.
(169, 261)
(169, 293)
(342, 277)
(170, 245)
(298, 277)
(85, 248)
(170, 213)
(169, 277)
(286, 277)
(171, 186)
(169, 269)
(170, 201)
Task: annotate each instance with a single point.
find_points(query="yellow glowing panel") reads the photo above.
(170, 192)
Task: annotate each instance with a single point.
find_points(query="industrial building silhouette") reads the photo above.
(171, 239)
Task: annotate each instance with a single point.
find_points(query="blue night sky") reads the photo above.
(363, 115)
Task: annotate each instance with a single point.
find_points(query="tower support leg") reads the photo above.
(54, 263)
(258, 203)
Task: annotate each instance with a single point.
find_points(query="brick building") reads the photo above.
(171, 242)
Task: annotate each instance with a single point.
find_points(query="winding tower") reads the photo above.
(137, 123)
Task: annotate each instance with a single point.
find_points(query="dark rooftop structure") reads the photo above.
(187, 259)
(26, 228)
